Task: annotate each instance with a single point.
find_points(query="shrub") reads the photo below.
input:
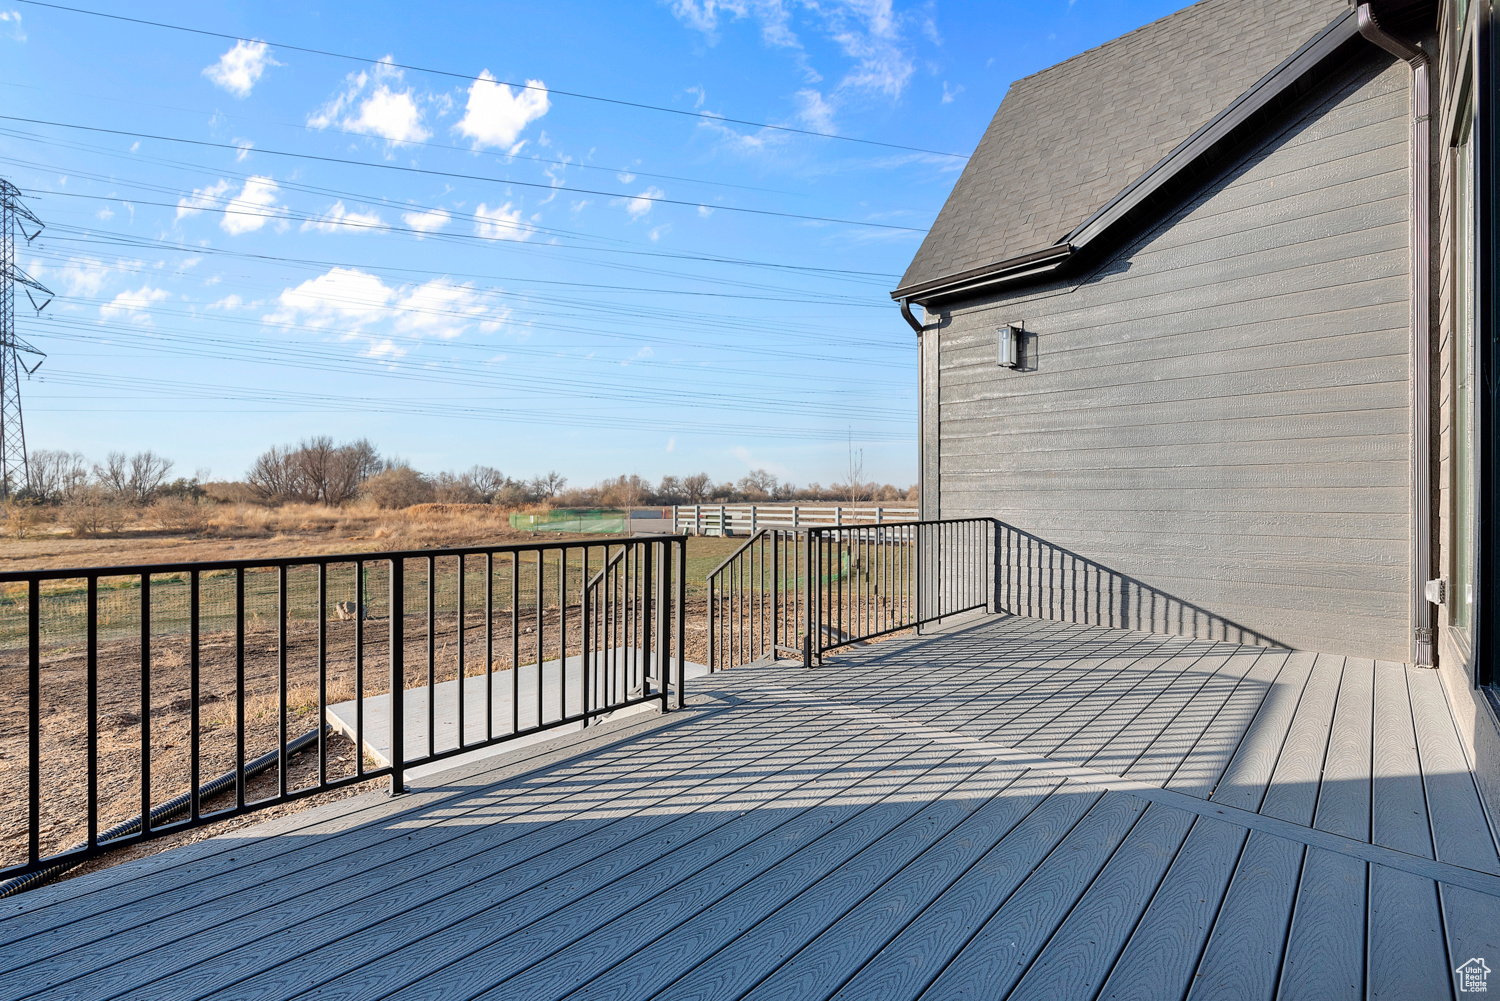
(399, 487)
(178, 514)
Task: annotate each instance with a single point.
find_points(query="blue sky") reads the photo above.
(589, 297)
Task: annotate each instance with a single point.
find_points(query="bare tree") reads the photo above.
(854, 485)
(695, 488)
(114, 474)
(148, 471)
(758, 484)
(56, 475)
(670, 490)
(274, 475)
(547, 486)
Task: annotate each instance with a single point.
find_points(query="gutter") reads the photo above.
(1421, 307)
(911, 321)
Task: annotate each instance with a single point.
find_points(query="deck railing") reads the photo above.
(800, 594)
(127, 689)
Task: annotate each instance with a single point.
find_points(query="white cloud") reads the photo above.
(442, 309)
(371, 106)
(774, 16)
(252, 208)
(231, 301)
(12, 19)
(339, 218)
(202, 198)
(640, 205)
(388, 319)
(495, 115)
(85, 276)
(672, 444)
(244, 146)
(868, 32)
(426, 222)
(105, 214)
(134, 305)
(815, 112)
(949, 95)
(501, 223)
(704, 211)
(238, 70)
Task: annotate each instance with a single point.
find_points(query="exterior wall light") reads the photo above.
(1012, 337)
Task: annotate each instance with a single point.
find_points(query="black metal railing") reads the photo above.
(802, 593)
(125, 690)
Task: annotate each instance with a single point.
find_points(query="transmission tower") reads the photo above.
(15, 219)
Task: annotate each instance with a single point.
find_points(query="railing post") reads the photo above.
(697, 519)
(725, 529)
(795, 522)
(585, 655)
(879, 515)
(838, 515)
(398, 677)
(713, 601)
(813, 592)
(681, 582)
(775, 593)
(992, 532)
(752, 519)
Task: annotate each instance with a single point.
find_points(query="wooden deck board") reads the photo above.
(792, 840)
(336, 861)
(492, 846)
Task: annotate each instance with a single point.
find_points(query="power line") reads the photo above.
(625, 195)
(636, 171)
(707, 116)
(425, 407)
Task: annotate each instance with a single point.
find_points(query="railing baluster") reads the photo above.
(359, 667)
(432, 662)
(239, 688)
(489, 646)
(34, 725)
(322, 673)
(281, 616)
(145, 704)
(92, 640)
(398, 674)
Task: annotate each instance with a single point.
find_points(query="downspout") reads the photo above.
(911, 321)
(1421, 281)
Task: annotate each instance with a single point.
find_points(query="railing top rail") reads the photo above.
(271, 562)
(609, 565)
(744, 546)
(825, 529)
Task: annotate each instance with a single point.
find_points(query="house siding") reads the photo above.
(1215, 437)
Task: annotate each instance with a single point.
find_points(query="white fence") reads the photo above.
(747, 519)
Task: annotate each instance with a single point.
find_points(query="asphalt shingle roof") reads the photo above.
(1069, 138)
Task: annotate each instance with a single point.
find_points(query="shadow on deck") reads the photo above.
(1017, 808)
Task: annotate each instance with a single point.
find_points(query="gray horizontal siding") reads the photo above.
(1218, 418)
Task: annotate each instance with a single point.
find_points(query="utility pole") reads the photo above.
(15, 219)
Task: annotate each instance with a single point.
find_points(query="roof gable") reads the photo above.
(1067, 140)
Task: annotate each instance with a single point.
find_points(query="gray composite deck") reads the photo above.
(1015, 808)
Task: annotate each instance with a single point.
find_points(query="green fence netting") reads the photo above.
(572, 520)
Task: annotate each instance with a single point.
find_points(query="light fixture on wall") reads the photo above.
(1012, 339)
